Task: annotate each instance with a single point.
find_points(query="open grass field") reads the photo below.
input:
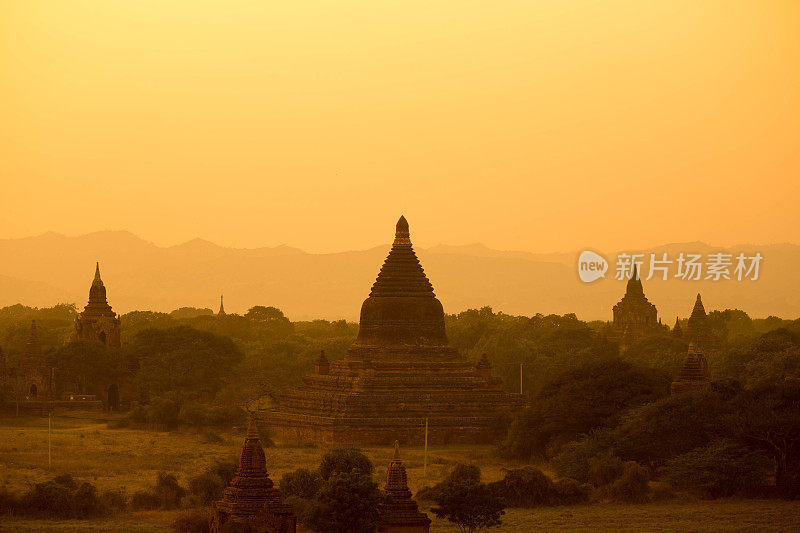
(114, 458)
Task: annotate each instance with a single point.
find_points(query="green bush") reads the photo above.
(469, 504)
(344, 461)
(166, 494)
(205, 489)
(632, 486)
(604, 469)
(525, 487)
(719, 470)
(570, 492)
(61, 498)
(573, 461)
(301, 483)
(460, 472)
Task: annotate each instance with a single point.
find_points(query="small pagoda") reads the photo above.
(401, 513)
(98, 321)
(634, 316)
(399, 372)
(694, 374)
(698, 331)
(251, 499)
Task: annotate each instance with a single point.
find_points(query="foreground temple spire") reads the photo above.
(401, 513)
(251, 499)
(98, 321)
(399, 371)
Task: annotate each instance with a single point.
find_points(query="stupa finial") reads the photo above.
(396, 450)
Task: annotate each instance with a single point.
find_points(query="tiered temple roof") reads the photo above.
(401, 513)
(694, 374)
(251, 498)
(634, 316)
(98, 321)
(399, 371)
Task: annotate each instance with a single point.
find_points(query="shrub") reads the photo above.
(61, 498)
(205, 488)
(144, 501)
(166, 494)
(525, 487)
(162, 413)
(570, 492)
(347, 503)
(344, 461)
(301, 483)
(573, 461)
(168, 491)
(302, 508)
(114, 501)
(469, 504)
(460, 472)
(632, 486)
(226, 470)
(719, 470)
(8, 502)
(604, 469)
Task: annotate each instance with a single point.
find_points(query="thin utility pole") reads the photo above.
(520, 379)
(425, 461)
(50, 439)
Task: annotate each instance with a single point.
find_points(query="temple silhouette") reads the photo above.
(400, 371)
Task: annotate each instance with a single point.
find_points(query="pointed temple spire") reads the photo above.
(98, 321)
(698, 310)
(401, 512)
(251, 498)
(399, 370)
(634, 286)
(698, 329)
(221, 311)
(634, 316)
(97, 292)
(402, 308)
(676, 330)
(401, 273)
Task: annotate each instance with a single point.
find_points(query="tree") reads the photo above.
(346, 503)
(344, 461)
(90, 366)
(184, 360)
(718, 470)
(579, 401)
(469, 504)
(768, 419)
(664, 429)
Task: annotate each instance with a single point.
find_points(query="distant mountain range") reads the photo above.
(50, 268)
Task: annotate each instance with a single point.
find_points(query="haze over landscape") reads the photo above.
(140, 275)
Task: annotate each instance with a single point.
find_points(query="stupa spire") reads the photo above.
(402, 273)
(221, 311)
(97, 272)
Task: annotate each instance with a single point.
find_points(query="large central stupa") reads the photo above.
(399, 372)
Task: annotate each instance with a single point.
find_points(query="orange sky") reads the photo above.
(529, 125)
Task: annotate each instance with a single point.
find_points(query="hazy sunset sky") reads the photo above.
(535, 125)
